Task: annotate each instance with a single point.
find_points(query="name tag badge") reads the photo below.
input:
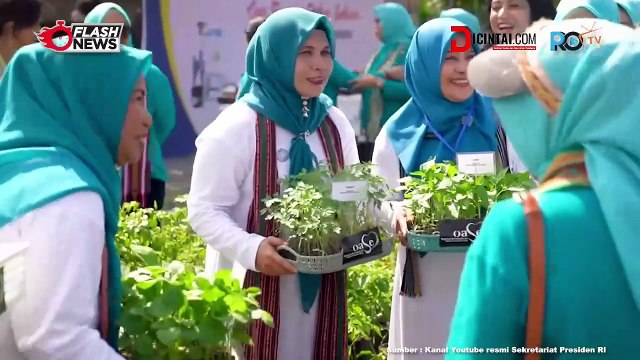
(349, 190)
(479, 163)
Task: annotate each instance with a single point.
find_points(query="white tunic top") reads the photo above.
(218, 206)
(420, 322)
(56, 314)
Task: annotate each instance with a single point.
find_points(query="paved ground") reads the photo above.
(179, 178)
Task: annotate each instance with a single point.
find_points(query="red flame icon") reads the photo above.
(54, 38)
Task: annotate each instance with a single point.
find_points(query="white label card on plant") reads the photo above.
(478, 163)
(349, 190)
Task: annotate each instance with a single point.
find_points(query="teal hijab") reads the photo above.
(632, 7)
(464, 17)
(160, 100)
(60, 130)
(602, 9)
(397, 25)
(593, 116)
(98, 13)
(429, 110)
(271, 60)
(397, 31)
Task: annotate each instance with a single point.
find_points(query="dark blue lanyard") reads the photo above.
(467, 120)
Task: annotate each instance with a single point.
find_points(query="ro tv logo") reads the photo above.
(574, 40)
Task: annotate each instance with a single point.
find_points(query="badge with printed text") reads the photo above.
(478, 163)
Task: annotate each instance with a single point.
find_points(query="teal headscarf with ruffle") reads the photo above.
(599, 114)
(632, 7)
(61, 124)
(160, 99)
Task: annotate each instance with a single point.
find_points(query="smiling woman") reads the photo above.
(514, 17)
(282, 126)
(444, 117)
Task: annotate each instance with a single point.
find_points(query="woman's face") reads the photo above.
(313, 65)
(625, 19)
(453, 75)
(136, 126)
(509, 16)
(114, 17)
(379, 29)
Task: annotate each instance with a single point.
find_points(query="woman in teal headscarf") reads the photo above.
(381, 97)
(599, 9)
(149, 190)
(629, 12)
(340, 78)
(440, 120)
(282, 126)
(467, 18)
(60, 141)
(577, 133)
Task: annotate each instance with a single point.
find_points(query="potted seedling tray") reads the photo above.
(448, 206)
(330, 220)
(452, 236)
(356, 249)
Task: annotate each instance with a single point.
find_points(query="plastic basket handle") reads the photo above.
(288, 251)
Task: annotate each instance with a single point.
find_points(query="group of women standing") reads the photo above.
(570, 119)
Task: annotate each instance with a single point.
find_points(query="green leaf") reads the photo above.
(241, 336)
(203, 283)
(263, 316)
(213, 294)
(169, 336)
(144, 345)
(159, 308)
(173, 297)
(144, 285)
(212, 332)
(146, 254)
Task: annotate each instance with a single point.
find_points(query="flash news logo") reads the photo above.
(81, 38)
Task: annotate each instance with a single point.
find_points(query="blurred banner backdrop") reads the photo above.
(200, 45)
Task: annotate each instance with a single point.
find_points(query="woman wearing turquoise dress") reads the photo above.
(66, 121)
(629, 12)
(444, 116)
(573, 120)
(149, 187)
(382, 97)
(599, 9)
